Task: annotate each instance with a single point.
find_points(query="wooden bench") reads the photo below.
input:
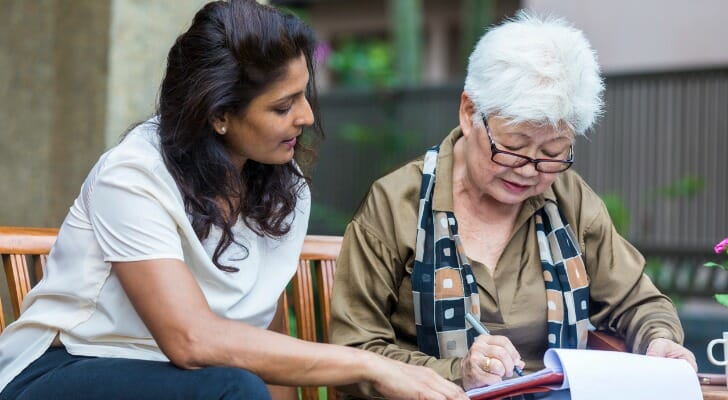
(303, 308)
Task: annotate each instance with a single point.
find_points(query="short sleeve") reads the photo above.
(128, 210)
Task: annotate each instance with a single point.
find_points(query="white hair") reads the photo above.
(536, 70)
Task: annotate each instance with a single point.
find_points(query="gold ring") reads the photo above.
(486, 365)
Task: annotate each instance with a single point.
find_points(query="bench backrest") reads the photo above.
(24, 252)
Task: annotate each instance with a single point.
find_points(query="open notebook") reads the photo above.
(602, 375)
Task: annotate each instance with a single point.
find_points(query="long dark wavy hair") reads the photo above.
(233, 51)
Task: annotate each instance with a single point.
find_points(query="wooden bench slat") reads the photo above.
(303, 305)
(39, 264)
(303, 302)
(16, 273)
(325, 280)
(2, 317)
(22, 240)
(318, 247)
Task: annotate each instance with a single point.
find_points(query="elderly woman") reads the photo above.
(492, 222)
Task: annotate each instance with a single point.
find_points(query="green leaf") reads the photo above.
(687, 186)
(618, 212)
(722, 299)
(331, 218)
(363, 63)
(716, 265)
(358, 134)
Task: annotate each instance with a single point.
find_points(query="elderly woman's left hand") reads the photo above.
(667, 348)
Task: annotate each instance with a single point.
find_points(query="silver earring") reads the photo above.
(223, 130)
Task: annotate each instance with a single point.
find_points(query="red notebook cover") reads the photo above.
(541, 381)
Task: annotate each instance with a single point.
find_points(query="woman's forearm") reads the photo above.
(277, 358)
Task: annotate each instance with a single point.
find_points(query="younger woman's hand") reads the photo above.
(399, 381)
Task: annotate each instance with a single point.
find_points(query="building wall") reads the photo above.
(648, 35)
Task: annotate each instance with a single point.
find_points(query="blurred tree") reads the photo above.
(406, 19)
(358, 63)
(477, 15)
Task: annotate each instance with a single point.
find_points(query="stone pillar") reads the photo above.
(74, 75)
(52, 91)
(435, 69)
(142, 32)
(80, 55)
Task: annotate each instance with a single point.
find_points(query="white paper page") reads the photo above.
(608, 375)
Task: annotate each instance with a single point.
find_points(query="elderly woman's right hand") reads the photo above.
(489, 359)
(399, 381)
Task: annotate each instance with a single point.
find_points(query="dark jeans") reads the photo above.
(57, 375)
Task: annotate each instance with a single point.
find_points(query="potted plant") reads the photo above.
(722, 298)
(721, 248)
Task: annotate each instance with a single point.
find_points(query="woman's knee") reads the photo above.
(238, 383)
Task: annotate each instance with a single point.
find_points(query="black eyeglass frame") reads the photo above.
(526, 159)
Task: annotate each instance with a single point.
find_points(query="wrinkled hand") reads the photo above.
(399, 381)
(667, 348)
(488, 361)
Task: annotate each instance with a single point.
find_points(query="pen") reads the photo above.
(481, 329)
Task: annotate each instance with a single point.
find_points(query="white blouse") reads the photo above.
(130, 209)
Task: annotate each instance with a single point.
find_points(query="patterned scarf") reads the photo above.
(444, 287)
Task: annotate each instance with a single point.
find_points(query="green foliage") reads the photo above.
(618, 212)
(724, 267)
(359, 135)
(722, 299)
(685, 187)
(301, 13)
(653, 269)
(406, 23)
(329, 217)
(388, 141)
(720, 248)
(363, 64)
(477, 15)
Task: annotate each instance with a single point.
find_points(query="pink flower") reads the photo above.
(721, 247)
